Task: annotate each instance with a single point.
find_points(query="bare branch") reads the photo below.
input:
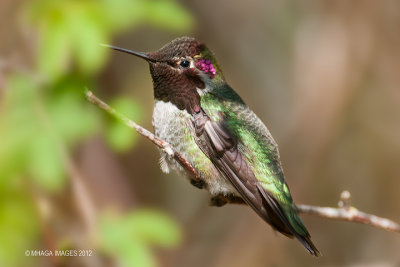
(344, 212)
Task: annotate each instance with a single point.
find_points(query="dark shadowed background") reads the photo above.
(323, 75)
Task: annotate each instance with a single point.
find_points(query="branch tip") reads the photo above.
(344, 201)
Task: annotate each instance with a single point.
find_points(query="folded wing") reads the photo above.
(218, 143)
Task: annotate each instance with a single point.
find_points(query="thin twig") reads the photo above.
(344, 212)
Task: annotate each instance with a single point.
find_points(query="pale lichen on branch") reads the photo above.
(344, 212)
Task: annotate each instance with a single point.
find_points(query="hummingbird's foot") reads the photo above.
(198, 183)
(221, 200)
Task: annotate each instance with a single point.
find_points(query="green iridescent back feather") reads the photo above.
(256, 144)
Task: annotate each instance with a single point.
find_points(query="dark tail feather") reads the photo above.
(308, 244)
(280, 222)
(299, 231)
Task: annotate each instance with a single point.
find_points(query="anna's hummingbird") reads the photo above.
(208, 123)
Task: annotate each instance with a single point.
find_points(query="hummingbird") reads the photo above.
(209, 124)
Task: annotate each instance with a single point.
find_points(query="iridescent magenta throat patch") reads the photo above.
(206, 66)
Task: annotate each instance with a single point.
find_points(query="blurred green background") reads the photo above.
(323, 75)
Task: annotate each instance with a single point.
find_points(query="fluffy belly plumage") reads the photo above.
(172, 125)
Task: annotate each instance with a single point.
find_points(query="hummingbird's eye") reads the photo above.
(185, 63)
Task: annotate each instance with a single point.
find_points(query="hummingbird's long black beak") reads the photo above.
(138, 54)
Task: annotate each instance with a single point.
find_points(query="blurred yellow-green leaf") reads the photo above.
(131, 236)
(155, 228)
(45, 164)
(18, 125)
(72, 119)
(18, 225)
(118, 135)
(169, 15)
(54, 55)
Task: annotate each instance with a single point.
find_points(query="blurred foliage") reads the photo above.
(118, 135)
(44, 114)
(36, 127)
(73, 30)
(131, 236)
(19, 223)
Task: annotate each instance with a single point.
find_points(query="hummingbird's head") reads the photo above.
(186, 54)
(182, 70)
